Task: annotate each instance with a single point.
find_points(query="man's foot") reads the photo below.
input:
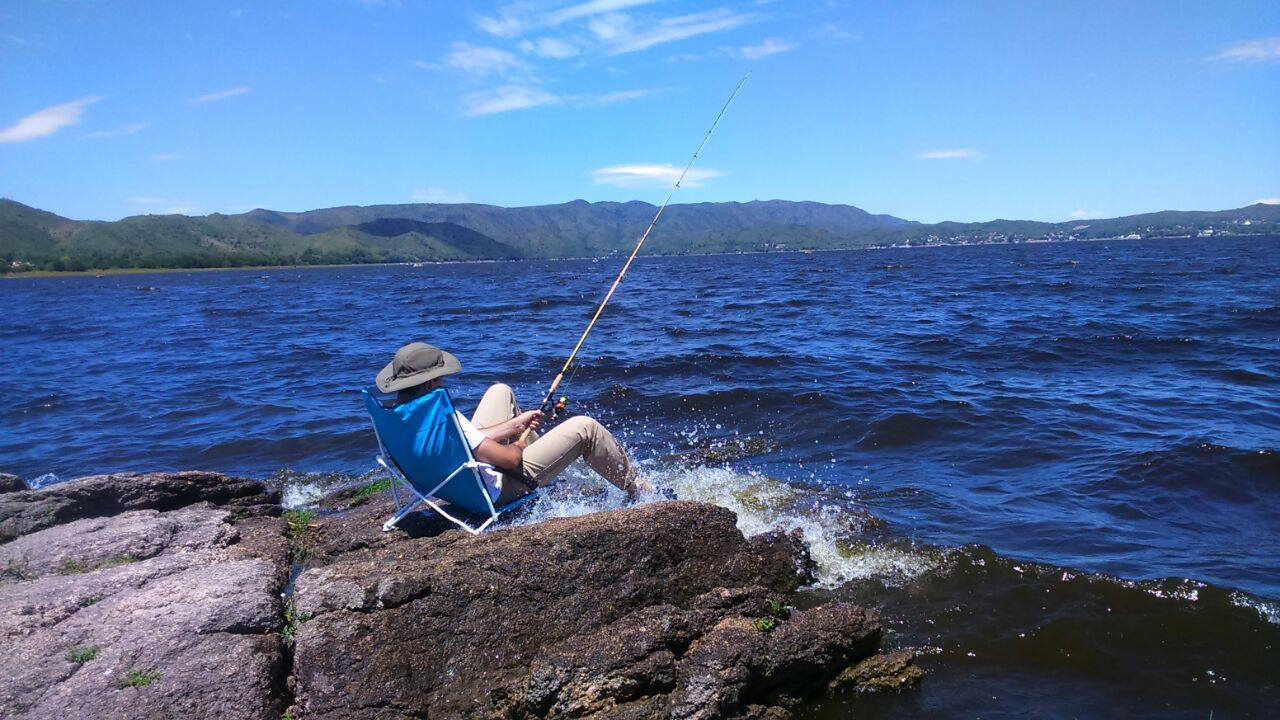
(641, 487)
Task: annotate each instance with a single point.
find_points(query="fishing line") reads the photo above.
(547, 403)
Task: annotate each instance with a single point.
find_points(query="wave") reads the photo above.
(1224, 471)
(906, 428)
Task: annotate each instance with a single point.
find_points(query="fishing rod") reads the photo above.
(547, 404)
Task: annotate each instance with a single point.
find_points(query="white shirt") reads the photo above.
(491, 477)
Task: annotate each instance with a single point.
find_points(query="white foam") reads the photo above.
(305, 488)
(830, 519)
(45, 479)
(1269, 611)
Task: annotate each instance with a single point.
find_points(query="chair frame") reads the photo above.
(403, 508)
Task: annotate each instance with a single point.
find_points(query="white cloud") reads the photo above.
(595, 7)
(506, 98)
(1260, 50)
(832, 31)
(651, 175)
(520, 97)
(1085, 214)
(951, 154)
(1268, 201)
(618, 31)
(503, 26)
(770, 46)
(549, 48)
(219, 95)
(165, 157)
(482, 59)
(122, 130)
(165, 206)
(46, 122)
(614, 97)
(519, 18)
(436, 195)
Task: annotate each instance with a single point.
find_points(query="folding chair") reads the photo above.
(423, 450)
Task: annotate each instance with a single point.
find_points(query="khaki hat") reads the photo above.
(415, 364)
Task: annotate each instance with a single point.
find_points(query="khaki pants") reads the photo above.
(549, 454)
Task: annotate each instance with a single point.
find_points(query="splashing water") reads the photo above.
(834, 526)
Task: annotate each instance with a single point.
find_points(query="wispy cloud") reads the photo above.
(46, 122)
(482, 59)
(615, 97)
(589, 9)
(620, 33)
(164, 206)
(1268, 201)
(219, 95)
(651, 175)
(165, 157)
(1085, 214)
(519, 18)
(548, 47)
(519, 97)
(950, 154)
(436, 195)
(769, 46)
(1260, 50)
(831, 31)
(122, 130)
(507, 98)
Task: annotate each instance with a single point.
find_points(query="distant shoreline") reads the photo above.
(27, 274)
(147, 271)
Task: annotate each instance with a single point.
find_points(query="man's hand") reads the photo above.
(531, 420)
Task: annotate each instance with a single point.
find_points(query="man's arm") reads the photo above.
(506, 457)
(504, 431)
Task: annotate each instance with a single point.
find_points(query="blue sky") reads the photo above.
(930, 111)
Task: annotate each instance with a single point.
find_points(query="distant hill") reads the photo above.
(444, 236)
(580, 228)
(35, 239)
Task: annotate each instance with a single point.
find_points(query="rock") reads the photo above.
(94, 543)
(654, 611)
(159, 595)
(889, 672)
(726, 450)
(145, 614)
(11, 483)
(26, 511)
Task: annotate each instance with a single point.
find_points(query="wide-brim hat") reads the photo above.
(415, 364)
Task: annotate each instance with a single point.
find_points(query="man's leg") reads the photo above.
(497, 406)
(580, 437)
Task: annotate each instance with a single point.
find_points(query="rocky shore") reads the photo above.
(195, 594)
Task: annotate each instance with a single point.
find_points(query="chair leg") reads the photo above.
(390, 524)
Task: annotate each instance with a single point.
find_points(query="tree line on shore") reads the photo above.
(32, 239)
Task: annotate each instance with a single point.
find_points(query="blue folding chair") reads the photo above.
(423, 450)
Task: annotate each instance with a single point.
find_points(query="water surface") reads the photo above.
(1073, 447)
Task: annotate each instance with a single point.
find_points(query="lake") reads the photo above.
(1053, 467)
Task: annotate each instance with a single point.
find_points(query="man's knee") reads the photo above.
(584, 427)
(501, 391)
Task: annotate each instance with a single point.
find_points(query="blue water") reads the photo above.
(1111, 408)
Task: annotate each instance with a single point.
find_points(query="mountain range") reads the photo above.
(33, 239)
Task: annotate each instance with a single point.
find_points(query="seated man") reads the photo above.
(492, 431)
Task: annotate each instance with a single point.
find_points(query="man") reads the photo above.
(494, 429)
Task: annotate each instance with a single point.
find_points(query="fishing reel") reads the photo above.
(553, 409)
